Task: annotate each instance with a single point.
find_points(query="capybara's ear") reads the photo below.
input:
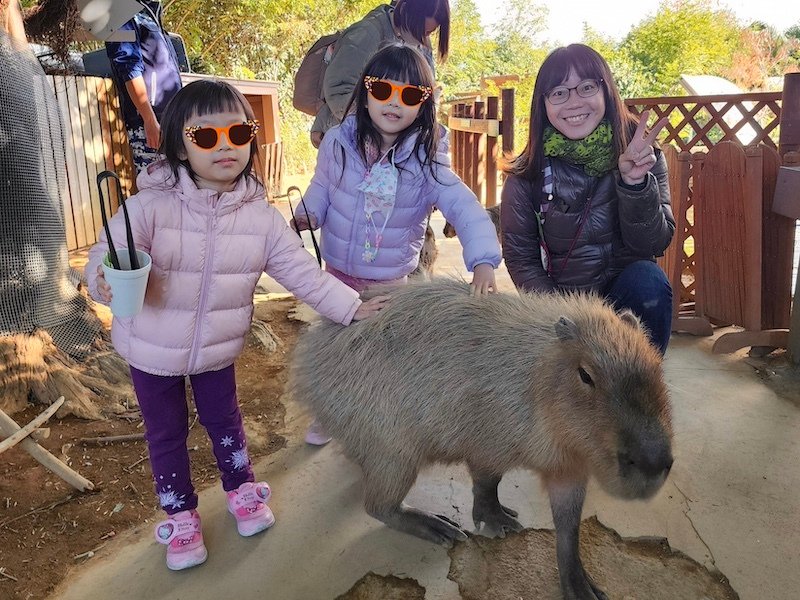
(631, 319)
(566, 329)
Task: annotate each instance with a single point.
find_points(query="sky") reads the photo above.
(615, 17)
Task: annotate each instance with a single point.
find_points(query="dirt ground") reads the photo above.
(46, 527)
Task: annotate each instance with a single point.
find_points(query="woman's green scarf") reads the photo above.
(595, 152)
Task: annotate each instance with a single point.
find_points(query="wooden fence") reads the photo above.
(96, 141)
(475, 129)
(731, 259)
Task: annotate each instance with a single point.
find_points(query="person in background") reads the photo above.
(408, 21)
(147, 76)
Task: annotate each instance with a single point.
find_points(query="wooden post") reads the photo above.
(491, 155)
(753, 227)
(459, 156)
(789, 141)
(478, 154)
(469, 164)
(507, 96)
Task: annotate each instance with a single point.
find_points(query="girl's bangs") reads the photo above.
(218, 99)
(400, 67)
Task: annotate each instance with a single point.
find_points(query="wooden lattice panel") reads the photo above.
(704, 121)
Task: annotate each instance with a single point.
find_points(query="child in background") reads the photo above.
(202, 215)
(378, 176)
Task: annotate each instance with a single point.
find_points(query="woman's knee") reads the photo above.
(646, 280)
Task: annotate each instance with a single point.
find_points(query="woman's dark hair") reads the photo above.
(410, 15)
(202, 97)
(555, 69)
(400, 63)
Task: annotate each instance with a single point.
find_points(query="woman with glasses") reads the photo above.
(586, 204)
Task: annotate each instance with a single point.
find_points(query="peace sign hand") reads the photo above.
(639, 157)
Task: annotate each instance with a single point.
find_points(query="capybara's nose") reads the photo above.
(652, 460)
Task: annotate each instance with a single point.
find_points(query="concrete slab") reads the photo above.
(730, 502)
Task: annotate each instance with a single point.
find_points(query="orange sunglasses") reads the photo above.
(238, 134)
(410, 95)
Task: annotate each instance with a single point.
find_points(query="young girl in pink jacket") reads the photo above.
(202, 215)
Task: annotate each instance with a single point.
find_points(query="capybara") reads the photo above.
(427, 257)
(560, 384)
(494, 214)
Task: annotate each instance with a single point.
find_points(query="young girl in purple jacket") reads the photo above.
(202, 216)
(378, 176)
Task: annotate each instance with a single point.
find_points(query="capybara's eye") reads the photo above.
(585, 377)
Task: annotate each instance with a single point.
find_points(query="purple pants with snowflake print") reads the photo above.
(166, 421)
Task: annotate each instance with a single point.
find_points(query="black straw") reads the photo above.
(134, 258)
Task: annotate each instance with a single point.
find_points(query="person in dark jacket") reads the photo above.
(408, 21)
(586, 204)
(147, 76)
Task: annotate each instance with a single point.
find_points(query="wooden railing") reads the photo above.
(704, 121)
(474, 132)
(731, 259)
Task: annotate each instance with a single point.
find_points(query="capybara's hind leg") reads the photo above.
(566, 502)
(385, 489)
(486, 507)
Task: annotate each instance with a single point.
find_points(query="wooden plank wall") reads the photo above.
(95, 140)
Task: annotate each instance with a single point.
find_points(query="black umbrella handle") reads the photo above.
(289, 191)
(134, 258)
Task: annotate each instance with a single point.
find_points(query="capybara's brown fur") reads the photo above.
(562, 385)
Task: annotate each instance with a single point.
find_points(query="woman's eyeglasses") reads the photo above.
(585, 89)
(410, 95)
(238, 134)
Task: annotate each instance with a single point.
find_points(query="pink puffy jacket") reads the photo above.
(209, 250)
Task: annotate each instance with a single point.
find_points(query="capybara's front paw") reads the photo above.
(497, 518)
(434, 528)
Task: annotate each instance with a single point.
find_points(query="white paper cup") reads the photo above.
(127, 287)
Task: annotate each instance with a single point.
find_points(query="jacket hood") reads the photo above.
(159, 178)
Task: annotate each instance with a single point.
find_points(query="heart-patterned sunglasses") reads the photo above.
(410, 95)
(238, 134)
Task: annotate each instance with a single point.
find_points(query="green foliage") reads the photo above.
(684, 36)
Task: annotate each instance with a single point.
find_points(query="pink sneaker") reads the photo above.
(183, 536)
(249, 505)
(316, 435)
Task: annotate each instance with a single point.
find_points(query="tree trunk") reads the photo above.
(33, 369)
